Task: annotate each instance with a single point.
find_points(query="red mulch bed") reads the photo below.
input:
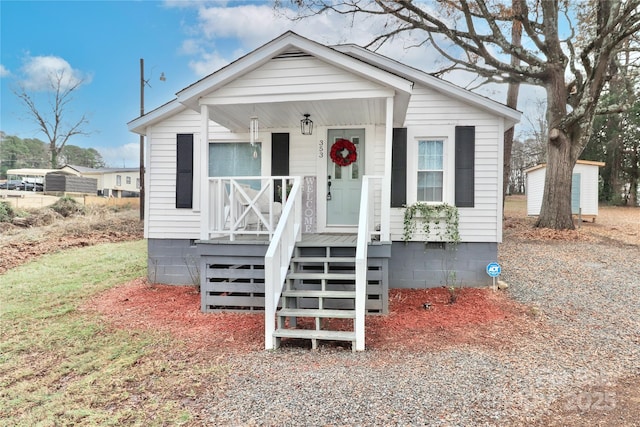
(478, 317)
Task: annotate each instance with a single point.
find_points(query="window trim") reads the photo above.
(447, 135)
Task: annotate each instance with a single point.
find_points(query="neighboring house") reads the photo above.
(384, 135)
(584, 188)
(113, 182)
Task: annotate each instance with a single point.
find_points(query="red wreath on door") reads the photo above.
(337, 152)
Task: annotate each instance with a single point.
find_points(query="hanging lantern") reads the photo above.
(306, 125)
(253, 129)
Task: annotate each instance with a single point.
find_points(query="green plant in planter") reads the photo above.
(432, 215)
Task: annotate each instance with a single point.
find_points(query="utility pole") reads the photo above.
(142, 83)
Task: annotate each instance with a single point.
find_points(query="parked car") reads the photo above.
(11, 184)
(30, 186)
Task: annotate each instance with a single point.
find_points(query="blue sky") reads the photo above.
(102, 42)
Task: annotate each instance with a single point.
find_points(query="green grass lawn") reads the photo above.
(64, 366)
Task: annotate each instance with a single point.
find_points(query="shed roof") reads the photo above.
(579, 162)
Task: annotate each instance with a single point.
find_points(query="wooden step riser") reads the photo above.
(315, 334)
(317, 313)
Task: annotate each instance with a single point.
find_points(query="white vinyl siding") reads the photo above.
(162, 219)
(285, 79)
(431, 113)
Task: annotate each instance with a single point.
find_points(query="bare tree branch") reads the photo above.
(52, 123)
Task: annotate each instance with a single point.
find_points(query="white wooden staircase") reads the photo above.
(320, 287)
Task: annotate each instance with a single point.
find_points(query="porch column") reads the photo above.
(385, 209)
(201, 174)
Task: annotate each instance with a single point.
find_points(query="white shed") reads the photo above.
(584, 188)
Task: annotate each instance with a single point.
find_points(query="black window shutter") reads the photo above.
(280, 154)
(184, 175)
(399, 168)
(465, 165)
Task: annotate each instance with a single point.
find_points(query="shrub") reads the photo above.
(68, 206)
(6, 212)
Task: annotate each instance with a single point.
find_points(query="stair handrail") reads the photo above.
(278, 258)
(364, 238)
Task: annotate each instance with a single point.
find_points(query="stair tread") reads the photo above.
(313, 293)
(315, 334)
(335, 244)
(315, 312)
(318, 276)
(319, 259)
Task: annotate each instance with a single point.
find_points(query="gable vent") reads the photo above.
(292, 54)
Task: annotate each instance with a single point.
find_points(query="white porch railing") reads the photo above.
(366, 229)
(278, 258)
(249, 205)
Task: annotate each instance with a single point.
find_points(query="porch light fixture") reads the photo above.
(253, 129)
(306, 125)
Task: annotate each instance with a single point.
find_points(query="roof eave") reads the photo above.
(140, 124)
(511, 115)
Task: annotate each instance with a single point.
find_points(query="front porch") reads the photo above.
(255, 257)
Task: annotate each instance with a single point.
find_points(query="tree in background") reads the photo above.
(616, 137)
(16, 153)
(473, 37)
(77, 156)
(22, 153)
(54, 120)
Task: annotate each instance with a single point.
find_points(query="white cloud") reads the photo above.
(251, 25)
(4, 72)
(39, 70)
(127, 155)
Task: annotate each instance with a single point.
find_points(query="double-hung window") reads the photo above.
(430, 170)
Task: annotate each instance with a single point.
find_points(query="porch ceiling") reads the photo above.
(277, 115)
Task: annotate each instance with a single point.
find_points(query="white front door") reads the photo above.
(345, 181)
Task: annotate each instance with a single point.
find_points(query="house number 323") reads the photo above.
(321, 149)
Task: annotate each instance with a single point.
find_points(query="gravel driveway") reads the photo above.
(582, 295)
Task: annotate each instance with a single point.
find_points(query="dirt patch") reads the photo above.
(614, 224)
(20, 245)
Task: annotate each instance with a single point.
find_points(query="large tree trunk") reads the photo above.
(556, 200)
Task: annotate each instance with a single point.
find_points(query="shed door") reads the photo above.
(575, 193)
(345, 181)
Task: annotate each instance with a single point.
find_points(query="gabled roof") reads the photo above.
(285, 43)
(354, 59)
(443, 86)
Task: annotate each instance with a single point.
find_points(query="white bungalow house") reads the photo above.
(352, 137)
